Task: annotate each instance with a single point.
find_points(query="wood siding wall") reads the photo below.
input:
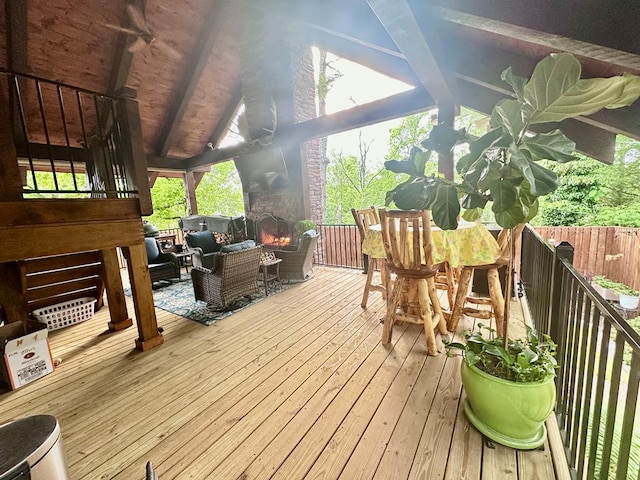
(610, 251)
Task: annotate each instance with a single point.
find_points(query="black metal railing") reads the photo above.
(68, 140)
(599, 357)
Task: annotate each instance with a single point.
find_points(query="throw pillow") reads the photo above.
(235, 247)
(203, 240)
(222, 238)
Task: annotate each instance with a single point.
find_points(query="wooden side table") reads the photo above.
(270, 270)
(183, 257)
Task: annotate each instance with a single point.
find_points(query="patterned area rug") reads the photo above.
(177, 297)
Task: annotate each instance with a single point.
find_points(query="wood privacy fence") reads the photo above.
(610, 251)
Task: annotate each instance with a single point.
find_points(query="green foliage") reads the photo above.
(46, 181)
(502, 165)
(409, 133)
(530, 360)
(169, 203)
(578, 195)
(591, 193)
(350, 184)
(220, 191)
(617, 287)
(304, 225)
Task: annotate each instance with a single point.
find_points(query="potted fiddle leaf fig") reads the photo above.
(502, 170)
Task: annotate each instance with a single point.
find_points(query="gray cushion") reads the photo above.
(152, 249)
(235, 247)
(203, 240)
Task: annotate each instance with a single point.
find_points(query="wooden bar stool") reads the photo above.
(406, 236)
(496, 298)
(364, 218)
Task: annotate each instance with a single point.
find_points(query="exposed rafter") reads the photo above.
(377, 59)
(16, 28)
(399, 21)
(226, 118)
(520, 38)
(592, 141)
(482, 66)
(395, 106)
(206, 40)
(121, 64)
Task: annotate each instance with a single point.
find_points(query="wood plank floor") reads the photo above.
(297, 386)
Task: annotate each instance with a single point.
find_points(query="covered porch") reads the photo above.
(295, 386)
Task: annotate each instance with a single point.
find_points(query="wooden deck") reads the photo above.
(297, 386)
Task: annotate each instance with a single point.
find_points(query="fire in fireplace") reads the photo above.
(273, 231)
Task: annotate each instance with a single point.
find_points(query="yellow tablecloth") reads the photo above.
(471, 244)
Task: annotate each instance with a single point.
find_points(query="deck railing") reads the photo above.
(339, 246)
(599, 357)
(69, 140)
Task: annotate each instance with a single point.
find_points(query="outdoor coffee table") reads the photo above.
(270, 269)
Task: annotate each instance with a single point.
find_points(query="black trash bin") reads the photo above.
(31, 448)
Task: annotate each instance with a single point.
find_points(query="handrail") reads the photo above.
(69, 140)
(55, 82)
(599, 363)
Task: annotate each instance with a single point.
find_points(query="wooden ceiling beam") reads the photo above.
(350, 20)
(216, 15)
(513, 37)
(592, 141)
(592, 21)
(395, 106)
(225, 119)
(483, 65)
(121, 66)
(17, 33)
(377, 59)
(403, 28)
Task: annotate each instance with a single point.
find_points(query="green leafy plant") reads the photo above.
(626, 290)
(605, 282)
(532, 359)
(304, 225)
(618, 287)
(502, 166)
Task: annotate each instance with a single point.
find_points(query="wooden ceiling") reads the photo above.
(187, 80)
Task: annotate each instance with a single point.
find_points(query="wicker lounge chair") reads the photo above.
(162, 266)
(234, 275)
(297, 262)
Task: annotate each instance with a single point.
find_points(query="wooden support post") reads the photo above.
(562, 250)
(10, 177)
(190, 188)
(12, 298)
(153, 176)
(115, 292)
(446, 114)
(129, 120)
(148, 335)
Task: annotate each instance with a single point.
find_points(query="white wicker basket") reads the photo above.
(66, 313)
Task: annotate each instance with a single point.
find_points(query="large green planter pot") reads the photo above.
(510, 413)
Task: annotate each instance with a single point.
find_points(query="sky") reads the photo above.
(359, 85)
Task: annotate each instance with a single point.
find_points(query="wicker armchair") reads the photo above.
(297, 262)
(234, 275)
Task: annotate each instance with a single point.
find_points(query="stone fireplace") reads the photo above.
(273, 231)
